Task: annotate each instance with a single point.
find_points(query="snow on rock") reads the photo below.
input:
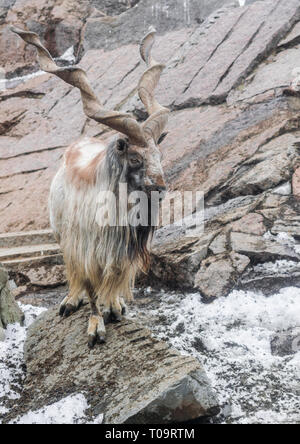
(14, 82)
(232, 339)
(284, 239)
(70, 410)
(11, 358)
(68, 56)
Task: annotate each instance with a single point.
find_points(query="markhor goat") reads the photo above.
(101, 260)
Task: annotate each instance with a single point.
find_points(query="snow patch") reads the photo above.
(284, 239)
(70, 410)
(14, 82)
(11, 357)
(232, 339)
(68, 56)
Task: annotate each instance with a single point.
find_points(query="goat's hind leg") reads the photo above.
(96, 327)
(71, 303)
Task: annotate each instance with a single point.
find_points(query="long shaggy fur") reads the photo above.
(108, 257)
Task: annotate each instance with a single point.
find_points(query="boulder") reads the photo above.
(132, 379)
(10, 312)
(214, 279)
(286, 343)
(269, 278)
(252, 223)
(260, 249)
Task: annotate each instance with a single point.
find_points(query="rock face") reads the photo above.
(10, 312)
(131, 379)
(111, 7)
(164, 15)
(233, 133)
(86, 24)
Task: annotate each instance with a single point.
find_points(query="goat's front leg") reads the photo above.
(96, 327)
(71, 303)
(114, 311)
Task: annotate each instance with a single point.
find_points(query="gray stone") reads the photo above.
(271, 166)
(286, 343)
(176, 262)
(230, 206)
(215, 277)
(293, 37)
(252, 223)
(239, 261)
(219, 244)
(276, 72)
(133, 378)
(260, 249)
(10, 312)
(289, 225)
(270, 278)
(2, 333)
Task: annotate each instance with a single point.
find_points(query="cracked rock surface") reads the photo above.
(233, 134)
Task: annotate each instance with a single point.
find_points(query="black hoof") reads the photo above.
(92, 341)
(101, 339)
(62, 310)
(68, 309)
(116, 316)
(107, 317)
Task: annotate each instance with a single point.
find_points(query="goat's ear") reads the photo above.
(121, 146)
(162, 138)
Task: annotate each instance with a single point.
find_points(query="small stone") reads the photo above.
(286, 343)
(2, 333)
(10, 312)
(252, 223)
(215, 277)
(218, 245)
(296, 183)
(261, 249)
(239, 261)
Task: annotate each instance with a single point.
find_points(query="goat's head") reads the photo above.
(136, 149)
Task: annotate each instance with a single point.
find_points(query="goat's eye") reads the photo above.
(135, 162)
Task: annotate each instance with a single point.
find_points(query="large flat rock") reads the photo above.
(133, 378)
